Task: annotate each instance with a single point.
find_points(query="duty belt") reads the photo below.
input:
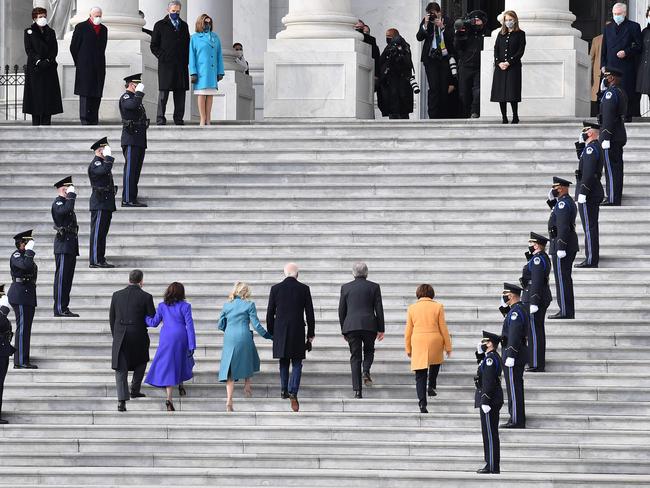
(70, 229)
(21, 280)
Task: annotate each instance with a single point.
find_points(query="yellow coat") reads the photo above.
(426, 335)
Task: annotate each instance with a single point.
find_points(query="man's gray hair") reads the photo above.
(618, 5)
(174, 3)
(360, 270)
(291, 270)
(96, 8)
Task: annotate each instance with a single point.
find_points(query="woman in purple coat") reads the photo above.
(174, 358)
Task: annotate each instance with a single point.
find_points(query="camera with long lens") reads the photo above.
(414, 85)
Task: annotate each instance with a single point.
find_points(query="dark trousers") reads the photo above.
(515, 386)
(421, 382)
(437, 71)
(562, 269)
(100, 223)
(589, 217)
(398, 116)
(41, 119)
(537, 339)
(63, 276)
(4, 366)
(122, 378)
(24, 319)
(290, 384)
(469, 88)
(491, 444)
(179, 106)
(89, 110)
(614, 173)
(133, 159)
(362, 350)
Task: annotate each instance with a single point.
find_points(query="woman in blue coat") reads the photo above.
(239, 358)
(206, 65)
(174, 358)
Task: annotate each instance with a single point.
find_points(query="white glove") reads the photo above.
(503, 302)
(70, 189)
(550, 195)
(534, 308)
(582, 198)
(561, 254)
(107, 151)
(606, 144)
(510, 362)
(30, 245)
(140, 88)
(486, 408)
(479, 348)
(4, 301)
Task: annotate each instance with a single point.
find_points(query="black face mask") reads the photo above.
(531, 249)
(359, 29)
(606, 83)
(484, 347)
(555, 193)
(389, 40)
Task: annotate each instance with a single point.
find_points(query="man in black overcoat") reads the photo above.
(394, 92)
(170, 43)
(361, 315)
(88, 49)
(289, 305)
(129, 307)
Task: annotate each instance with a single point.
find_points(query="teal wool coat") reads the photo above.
(206, 59)
(239, 355)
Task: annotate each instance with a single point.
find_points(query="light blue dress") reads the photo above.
(239, 355)
(206, 60)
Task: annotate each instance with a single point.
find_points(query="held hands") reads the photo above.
(561, 254)
(140, 88)
(30, 245)
(4, 301)
(486, 408)
(107, 152)
(582, 198)
(534, 309)
(510, 362)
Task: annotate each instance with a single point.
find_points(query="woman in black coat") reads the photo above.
(643, 78)
(6, 349)
(508, 51)
(42, 97)
(394, 92)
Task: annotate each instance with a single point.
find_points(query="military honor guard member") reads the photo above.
(66, 245)
(102, 201)
(134, 138)
(589, 191)
(536, 297)
(515, 353)
(489, 397)
(6, 349)
(22, 295)
(613, 107)
(564, 245)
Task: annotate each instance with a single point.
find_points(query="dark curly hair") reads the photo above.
(175, 293)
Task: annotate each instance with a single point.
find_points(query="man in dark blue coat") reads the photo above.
(621, 45)
(66, 245)
(102, 201)
(6, 349)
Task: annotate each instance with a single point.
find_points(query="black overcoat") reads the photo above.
(625, 37)
(643, 77)
(42, 90)
(394, 92)
(129, 307)
(506, 84)
(89, 54)
(172, 48)
(289, 305)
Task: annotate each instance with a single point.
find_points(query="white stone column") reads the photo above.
(119, 16)
(236, 99)
(556, 64)
(318, 67)
(154, 10)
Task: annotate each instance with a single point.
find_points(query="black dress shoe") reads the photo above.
(106, 265)
(367, 380)
(585, 264)
(607, 203)
(179, 122)
(94, 266)
(432, 392)
(284, 394)
(357, 394)
(423, 408)
(557, 316)
(181, 391)
(137, 394)
(510, 425)
(67, 313)
(3, 422)
(134, 204)
(515, 120)
(121, 406)
(504, 120)
(534, 370)
(170, 406)
(25, 366)
(484, 470)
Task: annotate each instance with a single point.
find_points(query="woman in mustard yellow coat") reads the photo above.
(426, 337)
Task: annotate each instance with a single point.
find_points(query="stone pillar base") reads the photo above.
(122, 59)
(235, 100)
(314, 78)
(556, 78)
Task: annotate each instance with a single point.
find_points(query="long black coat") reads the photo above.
(172, 48)
(89, 54)
(129, 307)
(6, 349)
(506, 85)
(361, 307)
(42, 90)
(289, 305)
(643, 77)
(625, 37)
(394, 92)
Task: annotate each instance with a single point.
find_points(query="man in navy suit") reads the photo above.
(621, 45)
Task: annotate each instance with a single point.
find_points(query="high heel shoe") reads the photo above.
(229, 407)
(181, 390)
(515, 120)
(170, 406)
(504, 119)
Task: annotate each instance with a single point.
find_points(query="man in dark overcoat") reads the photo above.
(170, 43)
(88, 49)
(129, 307)
(394, 92)
(289, 306)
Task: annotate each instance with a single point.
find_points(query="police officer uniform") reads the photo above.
(102, 204)
(515, 348)
(6, 349)
(134, 141)
(562, 231)
(589, 195)
(537, 293)
(613, 108)
(66, 247)
(489, 396)
(22, 297)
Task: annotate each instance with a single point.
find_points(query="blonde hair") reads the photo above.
(241, 290)
(198, 27)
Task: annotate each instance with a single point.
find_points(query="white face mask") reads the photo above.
(41, 21)
(239, 54)
(97, 20)
(510, 24)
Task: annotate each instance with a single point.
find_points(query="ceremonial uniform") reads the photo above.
(66, 248)
(613, 107)
(514, 345)
(562, 231)
(102, 204)
(134, 141)
(6, 349)
(22, 297)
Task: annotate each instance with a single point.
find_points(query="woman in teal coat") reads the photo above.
(239, 358)
(206, 65)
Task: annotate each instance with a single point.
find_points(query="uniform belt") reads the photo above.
(21, 280)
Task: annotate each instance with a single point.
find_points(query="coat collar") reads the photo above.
(425, 299)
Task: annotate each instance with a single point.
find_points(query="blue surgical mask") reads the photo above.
(174, 16)
(619, 19)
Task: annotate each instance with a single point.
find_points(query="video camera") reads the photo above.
(469, 23)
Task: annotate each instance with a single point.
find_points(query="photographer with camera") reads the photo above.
(438, 54)
(394, 90)
(468, 42)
